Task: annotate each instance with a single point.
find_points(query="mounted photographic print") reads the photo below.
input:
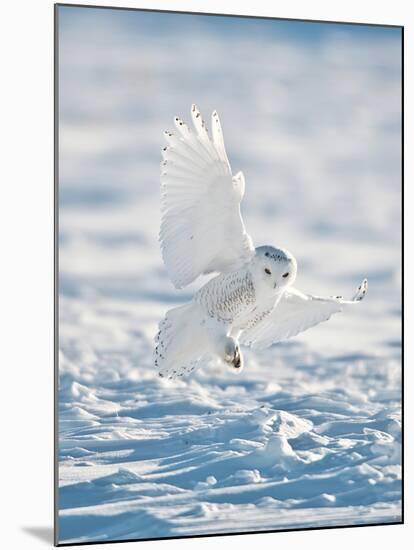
(228, 274)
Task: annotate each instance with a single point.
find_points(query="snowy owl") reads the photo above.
(250, 301)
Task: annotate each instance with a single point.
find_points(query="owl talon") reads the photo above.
(233, 356)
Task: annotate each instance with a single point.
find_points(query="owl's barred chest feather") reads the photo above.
(232, 298)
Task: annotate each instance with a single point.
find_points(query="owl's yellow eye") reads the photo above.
(268, 271)
(285, 275)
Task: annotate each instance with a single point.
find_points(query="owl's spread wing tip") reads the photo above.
(360, 291)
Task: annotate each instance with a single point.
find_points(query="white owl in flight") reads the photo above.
(250, 301)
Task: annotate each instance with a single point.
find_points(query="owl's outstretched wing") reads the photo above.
(201, 225)
(295, 313)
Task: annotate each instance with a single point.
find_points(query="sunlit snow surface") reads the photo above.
(309, 433)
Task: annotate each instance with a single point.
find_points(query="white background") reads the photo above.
(26, 253)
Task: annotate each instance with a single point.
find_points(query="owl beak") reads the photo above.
(275, 285)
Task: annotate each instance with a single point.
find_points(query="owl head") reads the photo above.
(276, 267)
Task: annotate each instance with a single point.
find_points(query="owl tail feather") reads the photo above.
(181, 341)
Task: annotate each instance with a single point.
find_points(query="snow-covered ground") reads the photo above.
(309, 433)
